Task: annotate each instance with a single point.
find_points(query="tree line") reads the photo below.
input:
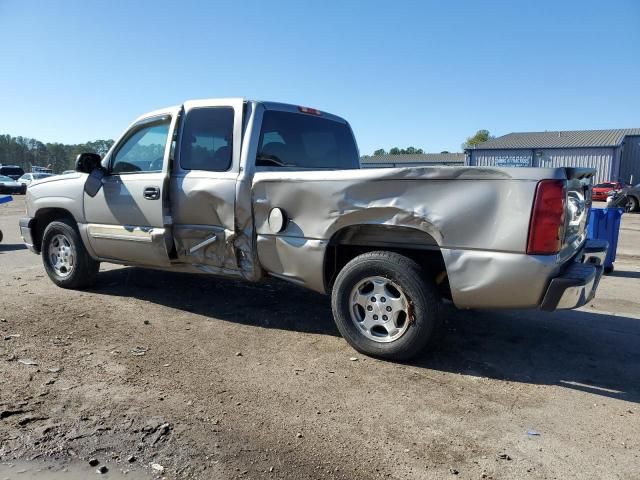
(479, 137)
(28, 152)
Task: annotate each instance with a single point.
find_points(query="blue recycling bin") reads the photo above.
(604, 224)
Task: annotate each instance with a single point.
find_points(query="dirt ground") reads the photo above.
(163, 374)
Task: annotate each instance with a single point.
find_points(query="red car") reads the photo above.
(599, 191)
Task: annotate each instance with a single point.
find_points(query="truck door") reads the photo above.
(128, 220)
(203, 184)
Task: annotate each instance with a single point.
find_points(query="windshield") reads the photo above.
(605, 185)
(38, 176)
(6, 179)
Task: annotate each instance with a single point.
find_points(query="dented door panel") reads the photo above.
(203, 206)
(203, 190)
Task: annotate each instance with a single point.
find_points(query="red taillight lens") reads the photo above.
(310, 111)
(547, 218)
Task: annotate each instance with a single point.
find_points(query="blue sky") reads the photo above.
(419, 73)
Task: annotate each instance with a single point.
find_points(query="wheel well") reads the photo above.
(43, 218)
(421, 247)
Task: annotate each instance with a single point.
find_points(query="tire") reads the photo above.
(632, 204)
(75, 269)
(369, 276)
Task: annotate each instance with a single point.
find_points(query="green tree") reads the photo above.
(411, 151)
(398, 151)
(28, 152)
(480, 136)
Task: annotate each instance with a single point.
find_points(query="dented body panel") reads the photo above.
(223, 222)
(478, 218)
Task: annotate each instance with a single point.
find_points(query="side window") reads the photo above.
(206, 140)
(143, 151)
(305, 141)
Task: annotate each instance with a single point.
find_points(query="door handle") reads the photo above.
(151, 193)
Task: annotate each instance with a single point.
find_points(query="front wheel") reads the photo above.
(385, 306)
(632, 204)
(65, 258)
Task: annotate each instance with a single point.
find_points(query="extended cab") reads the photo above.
(249, 189)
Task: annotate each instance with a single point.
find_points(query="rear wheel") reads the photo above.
(65, 258)
(632, 204)
(385, 306)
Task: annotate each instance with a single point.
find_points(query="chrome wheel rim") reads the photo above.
(380, 309)
(61, 255)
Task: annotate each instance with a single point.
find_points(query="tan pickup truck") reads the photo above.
(249, 189)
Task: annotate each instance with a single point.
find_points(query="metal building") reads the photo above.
(411, 160)
(615, 154)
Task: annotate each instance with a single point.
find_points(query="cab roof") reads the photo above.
(287, 107)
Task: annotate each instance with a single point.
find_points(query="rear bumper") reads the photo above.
(577, 284)
(26, 232)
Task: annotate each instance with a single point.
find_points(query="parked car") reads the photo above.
(633, 198)
(38, 169)
(12, 171)
(9, 185)
(601, 190)
(29, 178)
(254, 189)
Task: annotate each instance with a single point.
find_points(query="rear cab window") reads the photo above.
(305, 141)
(11, 171)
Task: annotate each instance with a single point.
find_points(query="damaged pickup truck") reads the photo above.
(248, 189)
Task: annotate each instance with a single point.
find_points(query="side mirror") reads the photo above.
(93, 183)
(87, 162)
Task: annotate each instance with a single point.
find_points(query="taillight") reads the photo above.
(547, 218)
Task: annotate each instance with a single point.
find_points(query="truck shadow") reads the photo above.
(586, 351)
(11, 247)
(272, 304)
(624, 274)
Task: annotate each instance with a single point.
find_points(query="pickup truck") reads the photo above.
(248, 189)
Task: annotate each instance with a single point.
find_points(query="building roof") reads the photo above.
(435, 158)
(564, 139)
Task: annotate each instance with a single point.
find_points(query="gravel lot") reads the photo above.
(207, 378)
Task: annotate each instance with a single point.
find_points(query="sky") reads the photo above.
(403, 73)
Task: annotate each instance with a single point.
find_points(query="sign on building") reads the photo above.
(513, 161)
